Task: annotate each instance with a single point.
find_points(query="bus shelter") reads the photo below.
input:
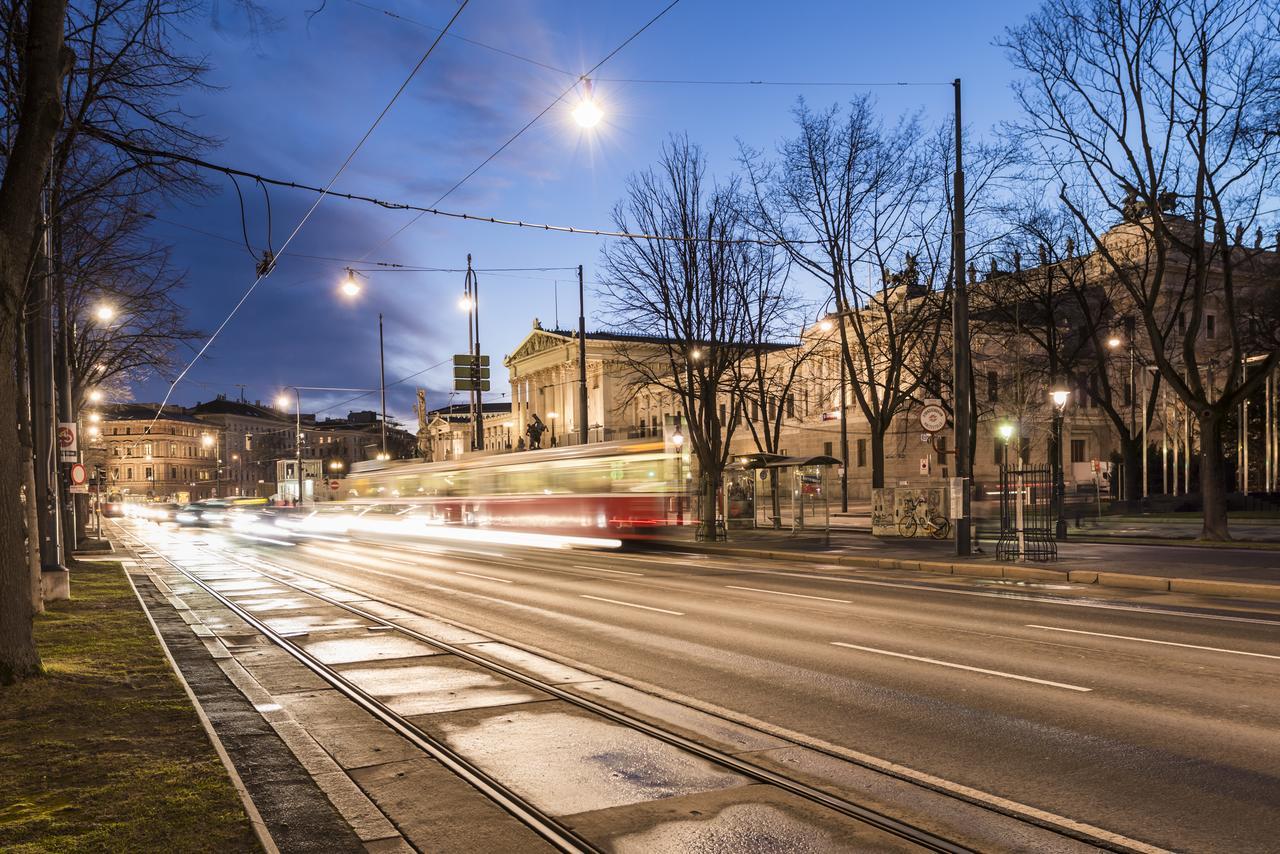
(776, 491)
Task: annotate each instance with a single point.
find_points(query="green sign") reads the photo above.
(467, 372)
(470, 385)
(466, 359)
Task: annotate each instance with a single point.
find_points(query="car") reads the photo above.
(113, 509)
(202, 513)
(162, 512)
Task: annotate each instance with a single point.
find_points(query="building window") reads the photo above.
(1210, 326)
(1077, 450)
(941, 444)
(862, 453)
(148, 475)
(1024, 452)
(128, 474)
(791, 406)
(998, 458)
(826, 448)
(173, 472)
(993, 386)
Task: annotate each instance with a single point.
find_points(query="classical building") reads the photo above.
(246, 430)
(445, 433)
(169, 458)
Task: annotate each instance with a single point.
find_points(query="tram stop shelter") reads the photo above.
(776, 491)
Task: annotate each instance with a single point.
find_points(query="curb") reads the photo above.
(255, 818)
(1124, 580)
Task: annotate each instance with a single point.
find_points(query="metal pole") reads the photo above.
(475, 297)
(297, 441)
(582, 362)
(1145, 393)
(1059, 486)
(382, 378)
(471, 349)
(844, 436)
(960, 338)
(1164, 437)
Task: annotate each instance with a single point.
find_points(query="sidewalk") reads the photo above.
(1215, 571)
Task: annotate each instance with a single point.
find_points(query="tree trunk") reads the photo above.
(26, 443)
(1213, 477)
(709, 506)
(18, 656)
(877, 457)
(1131, 451)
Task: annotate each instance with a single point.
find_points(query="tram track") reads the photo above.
(555, 832)
(548, 827)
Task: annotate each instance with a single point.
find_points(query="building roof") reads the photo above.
(146, 412)
(222, 406)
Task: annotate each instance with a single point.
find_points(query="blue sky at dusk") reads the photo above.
(291, 103)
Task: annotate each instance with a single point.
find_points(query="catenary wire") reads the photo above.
(266, 270)
(528, 125)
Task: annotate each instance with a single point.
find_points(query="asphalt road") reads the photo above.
(1150, 716)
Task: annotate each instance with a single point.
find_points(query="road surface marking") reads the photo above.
(1151, 640)
(796, 595)
(632, 605)
(602, 569)
(485, 577)
(962, 666)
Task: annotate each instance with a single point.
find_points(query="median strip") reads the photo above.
(632, 605)
(1152, 640)
(962, 667)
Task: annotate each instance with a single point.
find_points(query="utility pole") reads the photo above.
(844, 430)
(960, 343)
(582, 362)
(382, 380)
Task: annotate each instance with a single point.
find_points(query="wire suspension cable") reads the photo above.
(266, 270)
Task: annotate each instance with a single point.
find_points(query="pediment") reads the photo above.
(535, 342)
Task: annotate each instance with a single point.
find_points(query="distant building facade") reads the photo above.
(172, 457)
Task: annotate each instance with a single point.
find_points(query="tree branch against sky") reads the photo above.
(1146, 112)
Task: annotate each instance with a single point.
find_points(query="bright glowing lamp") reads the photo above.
(1006, 431)
(104, 313)
(587, 114)
(282, 400)
(1113, 342)
(350, 285)
(95, 395)
(826, 325)
(466, 303)
(1060, 398)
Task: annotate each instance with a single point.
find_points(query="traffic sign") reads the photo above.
(467, 359)
(470, 373)
(78, 474)
(67, 441)
(470, 385)
(333, 484)
(933, 418)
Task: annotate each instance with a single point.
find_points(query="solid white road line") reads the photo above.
(795, 595)
(602, 569)
(632, 605)
(1152, 640)
(962, 667)
(485, 577)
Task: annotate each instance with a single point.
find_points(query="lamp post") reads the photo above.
(677, 439)
(283, 401)
(552, 416)
(1006, 433)
(1059, 487)
(582, 359)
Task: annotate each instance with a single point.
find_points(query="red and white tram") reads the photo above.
(616, 490)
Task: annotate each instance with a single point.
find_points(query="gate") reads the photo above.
(1026, 514)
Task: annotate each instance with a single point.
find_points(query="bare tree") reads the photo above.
(851, 201)
(685, 297)
(1148, 112)
(34, 124)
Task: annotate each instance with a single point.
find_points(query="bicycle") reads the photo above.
(939, 527)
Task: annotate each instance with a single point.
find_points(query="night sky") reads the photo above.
(292, 102)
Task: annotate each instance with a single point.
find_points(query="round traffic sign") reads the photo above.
(66, 437)
(78, 474)
(933, 418)
(333, 484)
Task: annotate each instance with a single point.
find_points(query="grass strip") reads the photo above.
(105, 752)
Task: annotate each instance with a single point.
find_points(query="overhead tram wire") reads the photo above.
(559, 98)
(307, 216)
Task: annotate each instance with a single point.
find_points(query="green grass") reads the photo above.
(105, 752)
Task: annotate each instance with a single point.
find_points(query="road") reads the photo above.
(1152, 717)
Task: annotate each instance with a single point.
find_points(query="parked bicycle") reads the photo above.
(922, 516)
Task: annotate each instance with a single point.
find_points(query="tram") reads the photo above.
(620, 490)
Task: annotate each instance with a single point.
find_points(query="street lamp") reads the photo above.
(552, 416)
(95, 396)
(677, 439)
(1059, 397)
(335, 466)
(350, 286)
(587, 114)
(104, 313)
(1006, 433)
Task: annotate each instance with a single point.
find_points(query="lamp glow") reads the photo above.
(466, 303)
(104, 313)
(1006, 431)
(95, 395)
(351, 285)
(1060, 398)
(1113, 342)
(826, 325)
(282, 400)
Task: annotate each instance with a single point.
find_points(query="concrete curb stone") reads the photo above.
(1130, 581)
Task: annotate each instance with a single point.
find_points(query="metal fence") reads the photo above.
(1026, 514)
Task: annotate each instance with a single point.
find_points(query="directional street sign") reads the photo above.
(469, 373)
(470, 385)
(465, 359)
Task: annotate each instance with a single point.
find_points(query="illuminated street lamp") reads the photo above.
(1006, 433)
(1059, 397)
(552, 416)
(95, 395)
(104, 313)
(350, 286)
(587, 114)
(335, 466)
